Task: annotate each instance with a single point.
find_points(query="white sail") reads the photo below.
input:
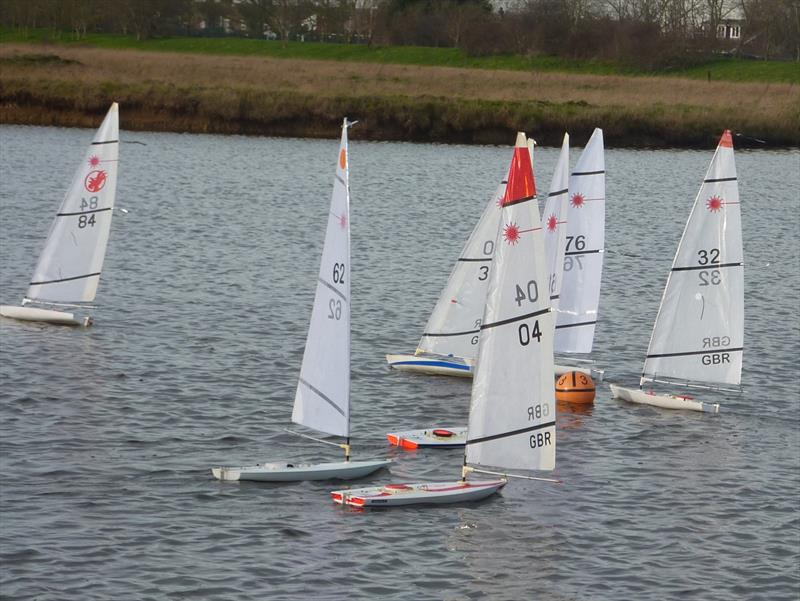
(699, 331)
(583, 256)
(322, 400)
(512, 411)
(454, 325)
(554, 221)
(70, 264)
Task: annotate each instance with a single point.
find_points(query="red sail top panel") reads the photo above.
(521, 185)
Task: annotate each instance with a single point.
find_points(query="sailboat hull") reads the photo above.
(43, 315)
(439, 438)
(287, 472)
(429, 493)
(665, 401)
(441, 365)
(437, 365)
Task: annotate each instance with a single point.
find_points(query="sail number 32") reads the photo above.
(709, 257)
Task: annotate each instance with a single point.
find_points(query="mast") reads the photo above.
(554, 221)
(512, 409)
(698, 334)
(322, 399)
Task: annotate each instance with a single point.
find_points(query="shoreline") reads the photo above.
(171, 92)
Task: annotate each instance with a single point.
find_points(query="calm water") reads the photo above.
(108, 433)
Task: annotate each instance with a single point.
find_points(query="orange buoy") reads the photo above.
(575, 387)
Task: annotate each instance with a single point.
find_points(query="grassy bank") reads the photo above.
(73, 85)
(721, 69)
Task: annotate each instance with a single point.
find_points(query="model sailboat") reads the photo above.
(68, 271)
(512, 409)
(698, 337)
(447, 437)
(322, 399)
(583, 253)
(449, 345)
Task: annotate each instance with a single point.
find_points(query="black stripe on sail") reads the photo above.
(558, 193)
(709, 266)
(512, 433)
(322, 396)
(513, 319)
(106, 142)
(334, 289)
(518, 201)
(77, 277)
(341, 180)
(445, 334)
(576, 325)
(473, 260)
(555, 296)
(720, 179)
(705, 352)
(579, 173)
(582, 252)
(82, 212)
(504, 182)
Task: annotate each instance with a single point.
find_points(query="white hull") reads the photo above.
(594, 373)
(665, 401)
(430, 438)
(428, 493)
(43, 315)
(439, 365)
(284, 472)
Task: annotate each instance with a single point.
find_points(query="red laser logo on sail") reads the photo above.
(552, 222)
(343, 222)
(714, 204)
(94, 160)
(578, 200)
(95, 181)
(511, 233)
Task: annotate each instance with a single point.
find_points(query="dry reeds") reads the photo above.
(182, 92)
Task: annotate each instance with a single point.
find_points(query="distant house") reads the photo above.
(730, 29)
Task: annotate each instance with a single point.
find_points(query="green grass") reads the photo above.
(717, 69)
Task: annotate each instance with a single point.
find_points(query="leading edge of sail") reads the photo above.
(512, 409)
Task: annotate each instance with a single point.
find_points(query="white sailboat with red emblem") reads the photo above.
(698, 337)
(579, 295)
(512, 410)
(449, 344)
(68, 271)
(322, 398)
